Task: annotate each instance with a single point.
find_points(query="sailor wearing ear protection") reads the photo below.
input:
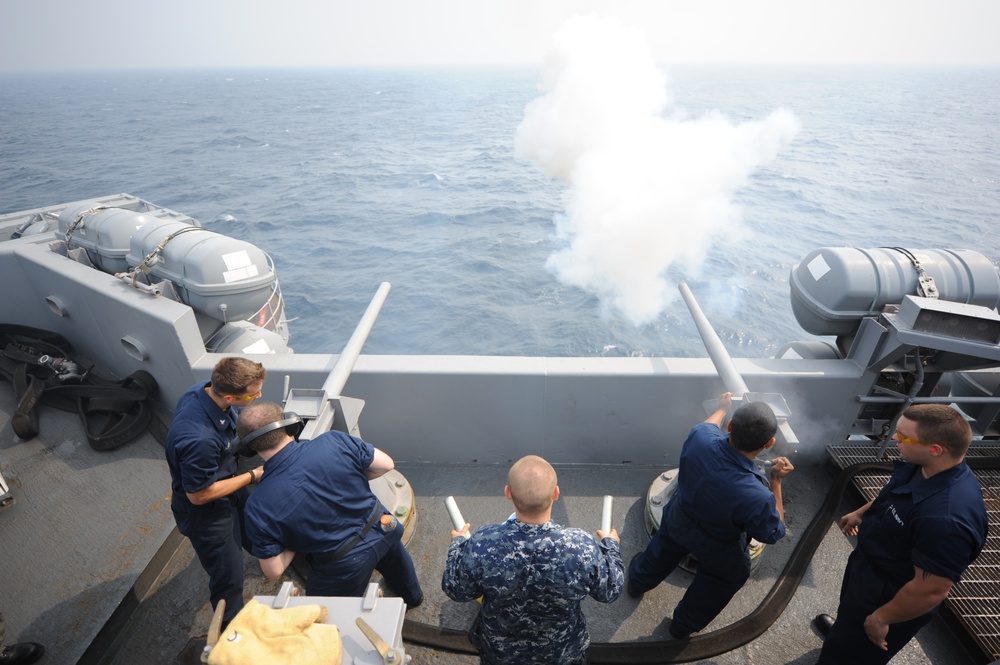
(314, 499)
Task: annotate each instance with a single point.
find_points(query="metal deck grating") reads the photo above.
(975, 601)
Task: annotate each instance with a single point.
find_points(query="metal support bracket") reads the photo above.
(6, 498)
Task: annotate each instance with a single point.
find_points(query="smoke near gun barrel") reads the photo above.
(648, 188)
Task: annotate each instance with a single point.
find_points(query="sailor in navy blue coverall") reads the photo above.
(722, 500)
(207, 493)
(914, 540)
(315, 499)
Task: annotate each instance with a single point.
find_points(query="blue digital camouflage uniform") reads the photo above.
(532, 578)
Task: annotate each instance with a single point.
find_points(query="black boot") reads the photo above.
(823, 623)
(21, 653)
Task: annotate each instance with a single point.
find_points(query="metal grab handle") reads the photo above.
(389, 655)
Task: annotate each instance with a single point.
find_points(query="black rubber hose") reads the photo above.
(716, 642)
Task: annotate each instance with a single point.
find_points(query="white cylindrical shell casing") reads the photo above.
(456, 515)
(606, 514)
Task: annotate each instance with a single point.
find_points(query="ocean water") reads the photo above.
(350, 178)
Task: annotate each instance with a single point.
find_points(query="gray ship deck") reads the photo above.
(89, 568)
(175, 619)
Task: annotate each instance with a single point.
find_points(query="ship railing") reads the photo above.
(271, 315)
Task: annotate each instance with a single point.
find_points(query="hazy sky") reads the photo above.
(72, 34)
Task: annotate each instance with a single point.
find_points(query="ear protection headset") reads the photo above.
(290, 421)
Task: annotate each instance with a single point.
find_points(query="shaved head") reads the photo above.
(532, 484)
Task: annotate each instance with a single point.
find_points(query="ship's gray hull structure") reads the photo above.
(468, 408)
(429, 408)
(461, 409)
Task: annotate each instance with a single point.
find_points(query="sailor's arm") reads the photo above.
(849, 523)
(224, 487)
(915, 598)
(613, 535)
(274, 567)
(460, 581)
(719, 417)
(608, 577)
(780, 467)
(381, 465)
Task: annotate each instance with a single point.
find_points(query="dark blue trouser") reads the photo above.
(349, 576)
(862, 592)
(217, 535)
(723, 568)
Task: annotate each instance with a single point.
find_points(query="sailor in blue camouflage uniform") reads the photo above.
(531, 574)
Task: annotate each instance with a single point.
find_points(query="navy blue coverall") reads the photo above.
(721, 501)
(938, 523)
(199, 452)
(314, 499)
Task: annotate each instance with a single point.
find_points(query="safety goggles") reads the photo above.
(246, 398)
(907, 441)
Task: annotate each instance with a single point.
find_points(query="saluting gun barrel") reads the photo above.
(318, 407)
(345, 363)
(716, 350)
(606, 514)
(728, 373)
(456, 515)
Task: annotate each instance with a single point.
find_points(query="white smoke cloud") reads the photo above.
(647, 187)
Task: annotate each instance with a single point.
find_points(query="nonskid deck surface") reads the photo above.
(791, 639)
(82, 529)
(178, 613)
(86, 524)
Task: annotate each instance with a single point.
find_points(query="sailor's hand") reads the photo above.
(464, 532)
(613, 534)
(849, 524)
(726, 401)
(781, 467)
(876, 630)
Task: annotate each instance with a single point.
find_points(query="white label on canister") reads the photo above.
(240, 273)
(236, 260)
(260, 346)
(818, 267)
